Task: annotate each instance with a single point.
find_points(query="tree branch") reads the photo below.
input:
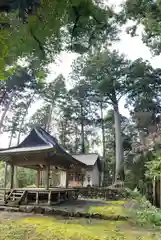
(38, 42)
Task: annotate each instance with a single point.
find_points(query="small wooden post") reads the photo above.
(12, 176)
(49, 198)
(38, 178)
(37, 197)
(47, 171)
(58, 197)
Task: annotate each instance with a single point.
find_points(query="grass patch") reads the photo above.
(108, 210)
(119, 202)
(48, 228)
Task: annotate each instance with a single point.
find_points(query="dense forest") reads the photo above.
(86, 117)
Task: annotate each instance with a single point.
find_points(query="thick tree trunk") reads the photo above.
(10, 141)
(119, 173)
(5, 111)
(76, 145)
(103, 131)
(3, 95)
(103, 143)
(82, 131)
(49, 118)
(23, 118)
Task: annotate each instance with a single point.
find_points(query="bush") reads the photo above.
(144, 213)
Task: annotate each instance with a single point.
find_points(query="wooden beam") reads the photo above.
(30, 162)
(12, 176)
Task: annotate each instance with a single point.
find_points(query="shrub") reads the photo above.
(144, 213)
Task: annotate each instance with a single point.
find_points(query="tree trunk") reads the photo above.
(103, 143)
(23, 118)
(119, 173)
(76, 145)
(82, 130)
(49, 118)
(2, 96)
(10, 141)
(5, 111)
(103, 130)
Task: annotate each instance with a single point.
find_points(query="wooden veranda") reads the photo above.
(41, 152)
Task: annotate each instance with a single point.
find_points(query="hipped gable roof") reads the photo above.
(39, 140)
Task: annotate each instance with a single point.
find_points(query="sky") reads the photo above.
(133, 48)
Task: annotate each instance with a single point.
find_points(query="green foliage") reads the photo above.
(107, 71)
(26, 177)
(154, 166)
(53, 26)
(147, 13)
(142, 211)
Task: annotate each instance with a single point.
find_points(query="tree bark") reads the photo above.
(103, 129)
(23, 118)
(82, 130)
(103, 143)
(10, 141)
(119, 173)
(16, 185)
(6, 110)
(49, 118)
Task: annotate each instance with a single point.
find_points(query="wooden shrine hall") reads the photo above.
(39, 151)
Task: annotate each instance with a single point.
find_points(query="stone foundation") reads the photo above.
(101, 193)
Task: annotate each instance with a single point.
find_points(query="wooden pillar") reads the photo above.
(16, 183)
(38, 178)
(67, 179)
(5, 175)
(12, 176)
(47, 171)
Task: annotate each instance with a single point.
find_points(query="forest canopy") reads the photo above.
(39, 30)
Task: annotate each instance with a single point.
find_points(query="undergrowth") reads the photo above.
(141, 211)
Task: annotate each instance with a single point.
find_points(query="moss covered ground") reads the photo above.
(112, 208)
(38, 227)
